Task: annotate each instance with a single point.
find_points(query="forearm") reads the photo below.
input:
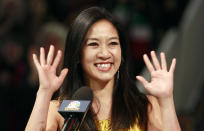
(38, 117)
(168, 115)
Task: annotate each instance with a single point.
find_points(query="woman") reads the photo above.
(96, 57)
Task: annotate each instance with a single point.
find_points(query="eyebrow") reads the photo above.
(114, 38)
(91, 39)
(111, 38)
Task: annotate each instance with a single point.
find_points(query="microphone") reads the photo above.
(74, 110)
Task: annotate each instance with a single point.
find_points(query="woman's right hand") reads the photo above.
(46, 68)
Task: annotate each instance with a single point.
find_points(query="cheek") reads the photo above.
(88, 58)
(117, 54)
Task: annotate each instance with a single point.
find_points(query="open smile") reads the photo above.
(105, 67)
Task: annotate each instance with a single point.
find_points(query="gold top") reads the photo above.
(104, 125)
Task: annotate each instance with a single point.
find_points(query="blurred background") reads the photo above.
(173, 26)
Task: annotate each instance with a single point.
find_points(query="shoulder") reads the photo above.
(154, 114)
(54, 119)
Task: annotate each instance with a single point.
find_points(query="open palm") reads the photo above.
(161, 84)
(46, 68)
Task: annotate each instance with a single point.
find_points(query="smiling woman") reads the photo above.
(96, 56)
(101, 55)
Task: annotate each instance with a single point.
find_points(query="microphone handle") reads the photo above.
(69, 122)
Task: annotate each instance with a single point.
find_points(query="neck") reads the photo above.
(102, 90)
(102, 101)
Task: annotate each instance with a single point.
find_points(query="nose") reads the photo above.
(104, 53)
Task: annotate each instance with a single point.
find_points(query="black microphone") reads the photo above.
(74, 110)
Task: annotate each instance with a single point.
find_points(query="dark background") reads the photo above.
(26, 25)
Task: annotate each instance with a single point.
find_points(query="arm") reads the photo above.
(161, 87)
(168, 114)
(54, 119)
(49, 83)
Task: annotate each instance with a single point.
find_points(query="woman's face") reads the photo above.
(101, 54)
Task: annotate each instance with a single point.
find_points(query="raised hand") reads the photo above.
(46, 68)
(161, 84)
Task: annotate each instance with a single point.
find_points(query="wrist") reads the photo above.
(44, 93)
(166, 101)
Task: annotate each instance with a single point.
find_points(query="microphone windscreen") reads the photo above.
(83, 93)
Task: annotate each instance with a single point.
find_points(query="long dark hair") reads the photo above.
(129, 105)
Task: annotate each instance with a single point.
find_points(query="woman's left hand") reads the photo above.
(161, 84)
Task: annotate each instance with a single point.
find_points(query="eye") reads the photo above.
(114, 43)
(93, 44)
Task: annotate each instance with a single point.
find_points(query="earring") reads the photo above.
(118, 75)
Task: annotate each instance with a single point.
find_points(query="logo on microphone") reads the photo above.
(74, 105)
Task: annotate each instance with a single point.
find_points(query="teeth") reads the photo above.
(103, 65)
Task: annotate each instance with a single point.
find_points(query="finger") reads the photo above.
(155, 60)
(36, 62)
(148, 63)
(142, 80)
(173, 65)
(42, 56)
(57, 59)
(163, 61)
(50, 55)
(63, 74)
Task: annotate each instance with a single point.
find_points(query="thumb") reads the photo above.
(63, 74)
(143, 81)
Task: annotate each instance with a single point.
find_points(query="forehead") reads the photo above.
(102, 28)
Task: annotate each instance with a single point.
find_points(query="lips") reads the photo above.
(104, 66)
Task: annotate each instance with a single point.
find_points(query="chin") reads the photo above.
(105, 78)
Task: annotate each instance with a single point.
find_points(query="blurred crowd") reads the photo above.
(26, 25)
